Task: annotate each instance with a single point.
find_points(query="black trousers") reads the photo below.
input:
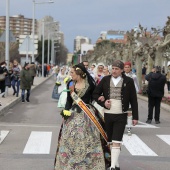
(115, 126)
(154, 102)
(2, 86)
(168, 85)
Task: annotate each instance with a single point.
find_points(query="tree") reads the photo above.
(39, 57)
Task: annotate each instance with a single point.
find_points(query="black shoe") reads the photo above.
(157, 122)
(23, 101)
(3, 95)
(117, 168)
(14, 93)
(149, 121)
(28, 100)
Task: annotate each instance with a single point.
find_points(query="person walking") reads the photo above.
(3, 73)
(15, 78)
(156, 84)
(118, 91)
(129, 73)
(79, 142)
(143, 74)
(26, 81)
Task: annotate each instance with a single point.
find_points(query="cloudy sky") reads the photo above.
(90, 17)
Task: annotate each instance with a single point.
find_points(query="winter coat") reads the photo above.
(26, 79)
(156, 84)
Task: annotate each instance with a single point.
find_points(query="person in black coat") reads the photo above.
(156, 84)
(3, 72)
(118, 92)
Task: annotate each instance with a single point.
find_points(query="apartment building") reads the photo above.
(79, 40)
(19, 25)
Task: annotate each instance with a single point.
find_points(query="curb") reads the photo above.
(164, 106)
(17, 100)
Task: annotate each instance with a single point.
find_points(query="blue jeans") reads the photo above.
(23, 94)
(15, 83)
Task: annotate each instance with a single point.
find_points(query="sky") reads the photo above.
(90, 17)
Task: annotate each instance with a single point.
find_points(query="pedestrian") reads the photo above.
(143, 74)
(156, 84)
(3, 73)
(26, 81)
(80, 143)
(118, 91)
(168, 79)
(48, 69)
(99, 73)
(86, 65)
(45, 70)
(129, 73)
(15, 77)
(106, 71)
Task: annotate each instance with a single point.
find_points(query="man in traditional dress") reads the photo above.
(118, 92)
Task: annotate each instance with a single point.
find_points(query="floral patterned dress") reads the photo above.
(79, 145)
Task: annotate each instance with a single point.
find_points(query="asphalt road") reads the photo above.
(33, 131)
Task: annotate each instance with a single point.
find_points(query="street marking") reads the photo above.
(165, 138)
(3, 134)
(136, 146)
(38, 143)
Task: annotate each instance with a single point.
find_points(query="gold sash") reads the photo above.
(86, 110)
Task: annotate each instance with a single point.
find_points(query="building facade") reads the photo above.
(18, 24)
(79, 40)
(51, 29)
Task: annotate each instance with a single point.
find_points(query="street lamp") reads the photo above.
(7, 34)
(33, 21)
(52, 45)
(43, 24)
(49, 41)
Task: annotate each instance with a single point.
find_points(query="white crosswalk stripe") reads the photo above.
(38, 143)
(165, 138)
(3, 134)
(136, 146)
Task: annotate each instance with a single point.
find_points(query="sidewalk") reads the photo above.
(164, 106)
(11, 100)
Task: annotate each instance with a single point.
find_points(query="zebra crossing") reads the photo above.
(39, 142)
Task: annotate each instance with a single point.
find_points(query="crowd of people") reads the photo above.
(90, 139)
(20, 78)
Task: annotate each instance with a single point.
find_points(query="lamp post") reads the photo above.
(33, 22)
(7, 34)
(48, 60)
(49, 45)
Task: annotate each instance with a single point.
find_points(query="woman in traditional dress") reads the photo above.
(129, 73)
(99, 73)
(79, 144)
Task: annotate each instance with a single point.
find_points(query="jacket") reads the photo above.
(156, 83)
(26, 79)
(128, 94)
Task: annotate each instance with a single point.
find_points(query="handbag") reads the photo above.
(8, 81)
(2, 77)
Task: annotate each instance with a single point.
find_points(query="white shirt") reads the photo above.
(116, 80)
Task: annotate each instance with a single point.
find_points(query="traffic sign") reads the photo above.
(11, 37)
